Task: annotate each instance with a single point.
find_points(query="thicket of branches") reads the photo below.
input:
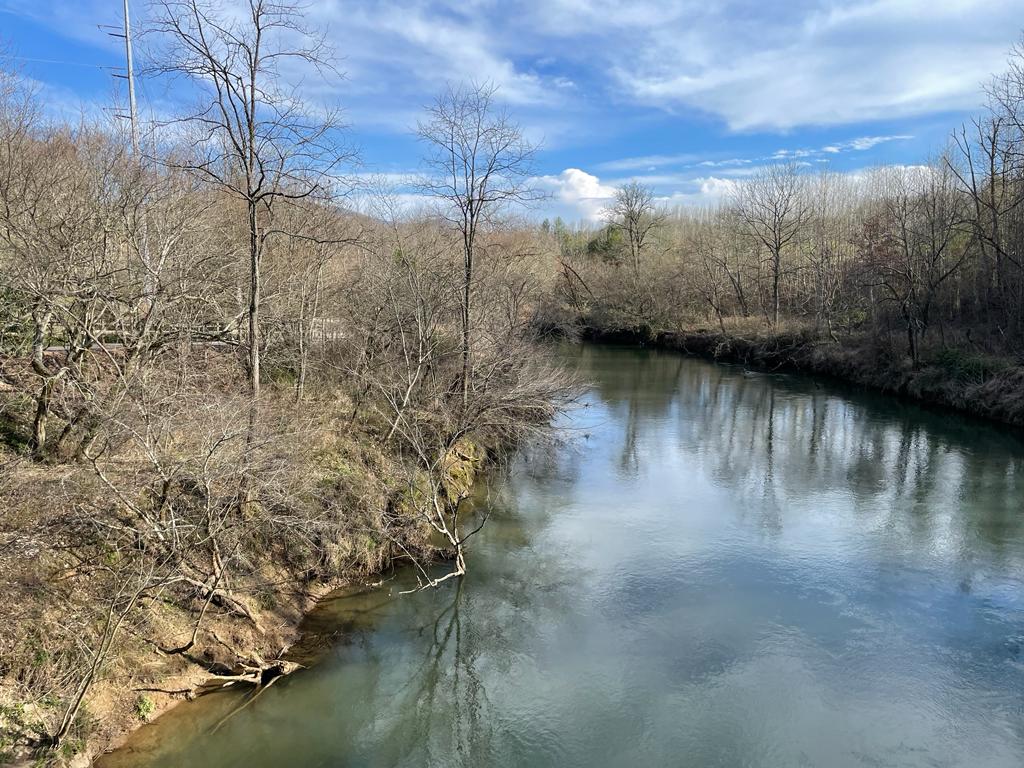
(218, 383)
(920, 259)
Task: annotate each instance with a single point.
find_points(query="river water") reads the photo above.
(718, 568)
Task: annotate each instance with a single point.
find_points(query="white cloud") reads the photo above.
(789, 154)
(396, 55)
(647, 162)
(715, 187)
(577, 194)
(649, 165)
(440, 50)
(707, 191)
(725, 163)
(863, 143)
(824, 63)
(572, 69)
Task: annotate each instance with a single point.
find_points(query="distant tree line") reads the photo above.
(930, 254)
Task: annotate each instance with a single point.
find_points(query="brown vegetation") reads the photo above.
(222, 392)
(909, 279)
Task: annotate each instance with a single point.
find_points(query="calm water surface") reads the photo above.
(720, 569)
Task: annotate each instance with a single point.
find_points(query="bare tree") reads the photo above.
(256, 140)
(130, 580)
(478, 163)
(773, 209)
(989, 166)
(635, 214)
(831, 239)
(914, 248)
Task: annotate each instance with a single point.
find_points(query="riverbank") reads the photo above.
(287, 633)
(672, 577)
(985, 386)
(349, 469)
(176, 644)
(160, 681)
(162, 527)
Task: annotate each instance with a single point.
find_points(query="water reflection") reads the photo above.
(723, 568)
(776, 441)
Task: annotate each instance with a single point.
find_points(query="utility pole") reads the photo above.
(148, 288)
(132, 110)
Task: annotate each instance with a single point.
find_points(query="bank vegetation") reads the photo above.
(233, 375)
(905, 278)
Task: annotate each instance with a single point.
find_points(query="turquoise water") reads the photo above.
(716, 569)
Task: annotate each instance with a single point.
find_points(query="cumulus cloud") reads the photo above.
(713, 187)
(578, 194)
(700, 192)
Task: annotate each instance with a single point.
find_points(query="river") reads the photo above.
(717, 568)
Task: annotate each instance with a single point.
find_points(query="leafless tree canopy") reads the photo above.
(636, 215)
(166, 502)
(253, 136)
(477, 165)
(918, 263)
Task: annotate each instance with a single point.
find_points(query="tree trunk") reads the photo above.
(466, 296)
(38, 444)
(254, 305)
(776, 269)
(911, 337)
(306, 333)
(42, 323)
(110, 629)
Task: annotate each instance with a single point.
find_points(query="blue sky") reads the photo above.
(685, 96)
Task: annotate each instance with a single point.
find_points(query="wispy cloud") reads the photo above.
(725, 163)
(647, 162)
(823, 63)
(649, 167)
(863, 144)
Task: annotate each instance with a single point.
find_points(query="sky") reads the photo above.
(686, 96)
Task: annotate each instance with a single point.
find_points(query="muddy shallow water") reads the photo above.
(719, 569)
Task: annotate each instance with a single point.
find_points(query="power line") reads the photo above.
(57, 61)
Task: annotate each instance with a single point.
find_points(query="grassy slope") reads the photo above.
(349, 466)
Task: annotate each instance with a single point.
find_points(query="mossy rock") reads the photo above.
(460, 469)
